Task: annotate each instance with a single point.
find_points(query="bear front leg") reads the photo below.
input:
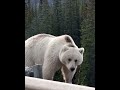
(48, 71)
(67, 74)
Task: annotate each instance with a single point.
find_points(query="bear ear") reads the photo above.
(81, 50)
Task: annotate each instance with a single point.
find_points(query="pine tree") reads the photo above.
(45, 18)
(72, 20)
(87, 76)
(57, 17)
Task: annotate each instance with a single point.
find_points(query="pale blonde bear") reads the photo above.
(53, 52)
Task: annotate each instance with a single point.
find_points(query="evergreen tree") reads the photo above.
(72, 20)
(87, 76)
(57, 17)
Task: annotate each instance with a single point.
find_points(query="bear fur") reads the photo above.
(53, 53)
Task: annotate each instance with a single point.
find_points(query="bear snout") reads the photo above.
(72, 69)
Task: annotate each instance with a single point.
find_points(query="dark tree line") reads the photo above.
(73, 17)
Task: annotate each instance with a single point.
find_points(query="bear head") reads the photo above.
(71, 56)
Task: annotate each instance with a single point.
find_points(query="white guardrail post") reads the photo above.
(32, 83)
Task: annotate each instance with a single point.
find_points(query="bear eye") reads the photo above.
(69, 59)
(75, 60)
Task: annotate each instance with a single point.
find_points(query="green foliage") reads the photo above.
(87, 74)
(58, 76)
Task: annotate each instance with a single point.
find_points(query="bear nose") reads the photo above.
(72, 69)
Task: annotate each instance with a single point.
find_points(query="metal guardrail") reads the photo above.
(32, 83)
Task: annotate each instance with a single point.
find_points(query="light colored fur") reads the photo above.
(53, 53)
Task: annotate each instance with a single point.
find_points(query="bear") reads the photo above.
(53, 53)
